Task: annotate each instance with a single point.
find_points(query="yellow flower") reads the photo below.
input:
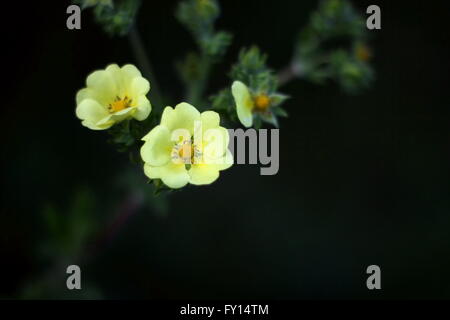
(113, 95)
(246, 104)
(186, 147)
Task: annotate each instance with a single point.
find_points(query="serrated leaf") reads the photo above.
(280, 112)
(277, 99)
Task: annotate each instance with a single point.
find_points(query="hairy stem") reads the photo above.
(286, 75)
(126, 210)
(196, 89)
(145, 65)
(291, 72)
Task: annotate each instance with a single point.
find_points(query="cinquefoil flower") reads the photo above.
(113, 95)
(263, 104)
(187, 147)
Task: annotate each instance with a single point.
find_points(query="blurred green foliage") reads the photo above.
(325, 47)
(116, 17)
(251, 68)
(199, 18)
(65, 239)
(68, 230)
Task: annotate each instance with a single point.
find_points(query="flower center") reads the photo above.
(186, 152)
(262, 102)
(119, 104)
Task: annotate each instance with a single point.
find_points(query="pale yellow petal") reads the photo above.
(182, 117)
(129, 72)
(91, 111)
(215, 143)
(143, 108)
(123, 114)
(210, 119)
(91, 126)
(244, 103)
(119, 80)
(138, 87)
(201, 174)
(157, 148)
(106, 122)
(87, 93)
(172, 175)
(225, 162)
(104, 86)
(206, 173)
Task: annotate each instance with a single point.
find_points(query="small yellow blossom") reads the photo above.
(246, 104)
(113, 95)
(186, 147)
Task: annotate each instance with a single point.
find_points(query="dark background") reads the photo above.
(363, 179)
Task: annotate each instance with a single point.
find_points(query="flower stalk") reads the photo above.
(144, 63)
(196, 89)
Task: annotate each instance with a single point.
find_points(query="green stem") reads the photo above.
(145, 65)
(286, 75)
(196, 89)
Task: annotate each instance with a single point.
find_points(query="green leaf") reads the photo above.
(257, 123)
(198, 16)
(269, 117)
(115, 19)
(252, 70)
(277, 99)
(190, 68)
(280, 112)
(216, 46)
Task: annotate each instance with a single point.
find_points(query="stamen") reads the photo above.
(119, 104)
(262, 102)
(186, 152)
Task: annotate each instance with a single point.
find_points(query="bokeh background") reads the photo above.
(364, 179)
